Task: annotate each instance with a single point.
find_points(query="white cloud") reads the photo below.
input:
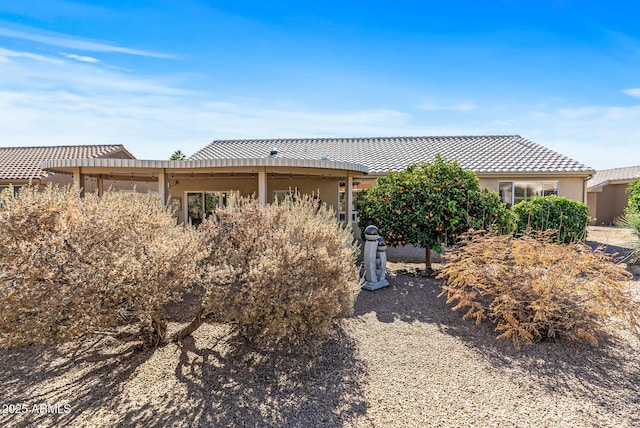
(75, 77)
(65, 41)
(601, 137)
(81, 58)
(68, 102)
(634, 92)
(73, 103)
(463, 106)
(6, 54)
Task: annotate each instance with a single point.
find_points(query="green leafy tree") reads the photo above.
(178, 155)
(634, 198)
(431, 205)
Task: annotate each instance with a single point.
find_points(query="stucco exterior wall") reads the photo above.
(326, 190)
(608, 204)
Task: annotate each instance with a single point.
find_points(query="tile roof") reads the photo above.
(481, 154)
(23, 163)
(606, 176)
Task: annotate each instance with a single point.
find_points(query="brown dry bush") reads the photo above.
(280, 274)
(70, 266)
(533, 290)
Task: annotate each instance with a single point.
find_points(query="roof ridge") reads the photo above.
(238, 140)
(619, 168)
(65, 146)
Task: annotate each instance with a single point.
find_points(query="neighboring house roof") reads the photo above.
(23, 163)
(481, 154)
(613, 176)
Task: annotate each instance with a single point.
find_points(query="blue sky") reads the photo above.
(158, 76)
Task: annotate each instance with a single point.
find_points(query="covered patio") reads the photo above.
(193, 187)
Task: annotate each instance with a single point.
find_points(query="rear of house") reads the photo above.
(336, 170)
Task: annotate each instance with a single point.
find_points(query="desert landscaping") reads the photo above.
(403, 359)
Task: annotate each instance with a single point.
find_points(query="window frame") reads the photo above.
(229, 194)
(524, 183)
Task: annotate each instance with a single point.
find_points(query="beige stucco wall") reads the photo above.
(608, 204)
(571, 187)
(326, 189)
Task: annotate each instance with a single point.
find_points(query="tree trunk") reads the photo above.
(427, 259)
(189, 329)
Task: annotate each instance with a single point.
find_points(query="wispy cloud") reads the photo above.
(73, 103)
(69, 42)
(7, 54)
(68, 102)
(81, 58)
(634, 92)
(466, 105)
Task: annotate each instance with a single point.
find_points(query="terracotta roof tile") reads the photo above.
(23, 163)
(488, 153)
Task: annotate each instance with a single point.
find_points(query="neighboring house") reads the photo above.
(22, 165)
(337, 170)
(606, 193)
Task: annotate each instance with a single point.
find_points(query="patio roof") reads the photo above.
(71, 165)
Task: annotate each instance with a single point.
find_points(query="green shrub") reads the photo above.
(567, 219)
(532, 290)
(430, 205)
(284, 273)
(634, 198)
(69, 266)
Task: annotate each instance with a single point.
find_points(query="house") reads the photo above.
(22, 165)
(606, 193)
(336, 170)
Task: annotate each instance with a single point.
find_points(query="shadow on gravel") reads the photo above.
(229, 384)
(93, 374)
(608, 376)
(616, 252)
(224, 384)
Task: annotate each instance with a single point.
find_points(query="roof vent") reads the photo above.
(274, 152)
(324, 156)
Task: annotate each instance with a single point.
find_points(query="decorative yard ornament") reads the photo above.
(375, 260)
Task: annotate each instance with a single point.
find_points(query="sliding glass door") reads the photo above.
(202, 204)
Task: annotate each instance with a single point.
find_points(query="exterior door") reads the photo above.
(202, 204)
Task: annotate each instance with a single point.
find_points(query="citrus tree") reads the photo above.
(431, 205)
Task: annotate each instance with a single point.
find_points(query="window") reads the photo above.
(359, 186)
(280, 195)
(16, 189)
(512, 192)
(202, 204)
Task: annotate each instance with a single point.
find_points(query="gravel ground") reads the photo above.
(403, 359)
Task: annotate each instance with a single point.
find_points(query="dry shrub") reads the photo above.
(533, 290)
(284, 273)
(70, 265)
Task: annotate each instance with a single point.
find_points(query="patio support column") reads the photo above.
(262, 185)
(100, 184)
(78, 181)
(349, 201)
(163, 187)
